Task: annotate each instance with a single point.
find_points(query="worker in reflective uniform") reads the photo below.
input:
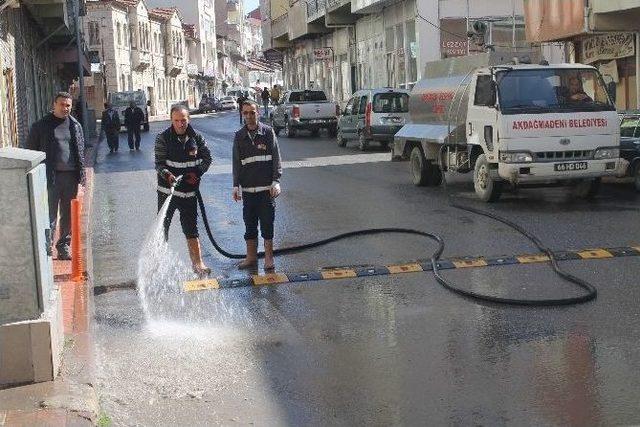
(181, 151)
(256, 181)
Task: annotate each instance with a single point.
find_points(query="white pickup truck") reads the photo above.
(512, 125)
(307, 110)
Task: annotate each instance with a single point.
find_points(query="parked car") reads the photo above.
(305, 110)
(207, 104)
(630, 144)
(373, 115)
(228, 103)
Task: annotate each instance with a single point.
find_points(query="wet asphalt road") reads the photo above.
(381, 350)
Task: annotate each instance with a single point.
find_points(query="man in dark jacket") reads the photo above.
(241, 99)
(256, 181)
(133, 118)
(60, 136)
(110, 126)
(181, 151)
(265, 100)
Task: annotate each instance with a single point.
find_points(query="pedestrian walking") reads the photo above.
(110, 127)
(265, 100)
(275, 94)
(241, 99)
(60, 137)
(256, 181)
(181, 151)
(133, 118)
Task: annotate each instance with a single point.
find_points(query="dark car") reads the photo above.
(207, 104)
(630, 144)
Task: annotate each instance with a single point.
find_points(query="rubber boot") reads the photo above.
(268, 255)
(196, 257)
(252, 255)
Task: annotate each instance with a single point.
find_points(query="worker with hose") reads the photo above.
(181, 151)
(256, 181)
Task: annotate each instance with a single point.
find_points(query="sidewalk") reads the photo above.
(70, 400)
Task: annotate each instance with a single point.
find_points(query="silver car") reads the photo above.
(373, 115)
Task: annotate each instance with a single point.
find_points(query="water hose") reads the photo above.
(435, 257)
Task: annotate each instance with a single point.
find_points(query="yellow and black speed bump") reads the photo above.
(411, 267)
(372, 271)
(501, 260)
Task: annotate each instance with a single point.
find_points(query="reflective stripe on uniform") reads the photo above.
(184, 164)
(255, 189)
(256, 159)
(166, 190)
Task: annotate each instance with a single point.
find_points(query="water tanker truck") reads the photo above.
(511, 124)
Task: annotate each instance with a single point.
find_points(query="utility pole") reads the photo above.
(81, 97)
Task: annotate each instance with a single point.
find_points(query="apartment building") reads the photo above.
(38, 57)
(344, 45)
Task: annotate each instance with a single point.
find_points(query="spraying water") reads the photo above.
(161, 274)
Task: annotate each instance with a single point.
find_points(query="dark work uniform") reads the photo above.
(133, 118)
(172, 155)
(63, 142)
(256, 166)
(111, 128)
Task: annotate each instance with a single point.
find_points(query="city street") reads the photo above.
(381, 350)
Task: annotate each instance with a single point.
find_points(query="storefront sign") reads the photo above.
(607, 47)
(452, 41)
(322, 53)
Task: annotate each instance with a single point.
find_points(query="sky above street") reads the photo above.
(249, 5)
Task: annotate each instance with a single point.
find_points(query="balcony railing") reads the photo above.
(315, 9)
(280, 26)
(140, 59)
(173, 64)
(335, 4)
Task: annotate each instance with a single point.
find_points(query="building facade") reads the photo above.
(602, 33)
(345, 45)
(38, 57)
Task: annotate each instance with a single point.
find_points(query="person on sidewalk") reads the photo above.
(241, 99)
(133, 118)
(275, 94)
(265, 100)
(110, 127)
(60, 136)
(256, 181)
(181, 151)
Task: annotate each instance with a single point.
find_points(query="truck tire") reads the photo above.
(486, 188)
(363, 143)
(421, 173)
(340, 140)
(315, 132)
(333, 131)
(587, 188)
(288, 130)
(145, 127)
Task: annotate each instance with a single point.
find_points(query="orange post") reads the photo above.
(76, 249)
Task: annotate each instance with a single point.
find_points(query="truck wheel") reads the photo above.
(333, 131)
(340, 140)
(486, 188)
(315, 132)
(419, 172)
(288, 130)
(363, 144)
(587, 188)
(145, 127)
(384, 144)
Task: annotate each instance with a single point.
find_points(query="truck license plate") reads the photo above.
(573, 166)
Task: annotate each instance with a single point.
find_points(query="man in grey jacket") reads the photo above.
(60, 136)
(256, 181)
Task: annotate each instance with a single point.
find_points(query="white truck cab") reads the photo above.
(511, 124)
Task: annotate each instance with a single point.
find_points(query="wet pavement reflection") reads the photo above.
(385, 350)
